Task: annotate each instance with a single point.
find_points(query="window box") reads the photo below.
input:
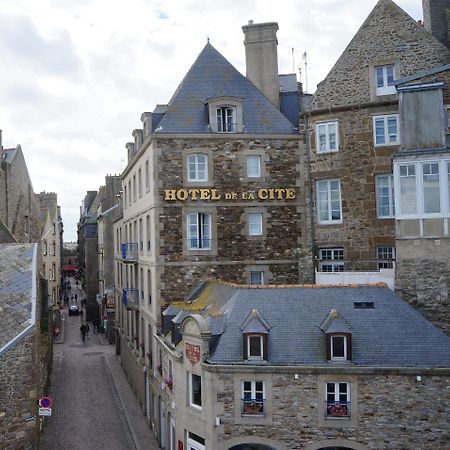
(253, 407)
(338, 409)
(169, 382)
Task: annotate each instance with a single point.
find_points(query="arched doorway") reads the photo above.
(252, 447)
(335, 448)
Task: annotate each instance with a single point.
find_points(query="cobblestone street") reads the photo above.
(88, 412)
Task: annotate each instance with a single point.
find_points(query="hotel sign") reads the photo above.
(217, 194)
(192, 353)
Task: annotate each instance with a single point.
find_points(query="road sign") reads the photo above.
(45, 411)
(45, 402)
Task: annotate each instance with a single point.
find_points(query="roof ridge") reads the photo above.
(292, 286)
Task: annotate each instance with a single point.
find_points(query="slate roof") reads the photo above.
(392, 334)
(211, 76)
(17, 292)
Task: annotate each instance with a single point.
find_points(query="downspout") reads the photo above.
(311, 209)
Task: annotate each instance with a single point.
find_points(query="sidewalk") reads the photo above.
(137, 424)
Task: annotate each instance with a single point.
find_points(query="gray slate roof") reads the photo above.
(211, 76)
(392, 334)
(17, 292)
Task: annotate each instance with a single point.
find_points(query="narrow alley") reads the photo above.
(93, 406)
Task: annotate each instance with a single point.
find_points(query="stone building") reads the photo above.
(210, 189)
(19, 210)
(351, 132)
(88, 244)
(276, 368)
(25, 349)
(51, 243)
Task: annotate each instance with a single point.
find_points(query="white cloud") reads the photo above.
(76, 75)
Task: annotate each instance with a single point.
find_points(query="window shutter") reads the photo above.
(328, 344)
(265, 338)
(349, 346)
(244, 346)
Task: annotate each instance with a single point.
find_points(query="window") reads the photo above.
(255, 224)
(195, 442)
(431, 195)
(197, 167)
(338, 347)
(226, 119)
(329, 201)
(125, 196)
(384, 80)
(195, 390)
(256, 277)
(147, 226)
(134, 188)
(384, 185)
(140, 182)
(147, 175)
(253, 397)
(141, 236)
(149, 286)
(385, 130)
(331, 259)
(385, 256)
(141, 282)
(253, 166)
(327, 137)
(129, 192)
(199, 231)
(255, 346)
(423, 188)
(337, 398)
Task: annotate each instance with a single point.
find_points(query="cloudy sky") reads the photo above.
(75, 75)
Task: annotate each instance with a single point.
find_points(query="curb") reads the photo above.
(113, 383)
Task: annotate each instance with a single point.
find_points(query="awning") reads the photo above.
(69, 268)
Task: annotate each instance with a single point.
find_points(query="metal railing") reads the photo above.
(337, 409)
(253, 406)
(130, 298)
(129, 252)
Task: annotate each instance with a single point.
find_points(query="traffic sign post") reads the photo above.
(45, 402)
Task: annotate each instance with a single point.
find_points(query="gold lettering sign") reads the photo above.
(182, 195)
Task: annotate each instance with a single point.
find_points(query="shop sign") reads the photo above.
(211, 194)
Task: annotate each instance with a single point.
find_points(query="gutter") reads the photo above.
(32, 320)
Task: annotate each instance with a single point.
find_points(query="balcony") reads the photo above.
(130, 298)
(130, 252)
(253, 407)
(337, 409)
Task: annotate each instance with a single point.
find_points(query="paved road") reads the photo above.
(86, 412)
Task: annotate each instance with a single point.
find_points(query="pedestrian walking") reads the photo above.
(87, 329)
(83, 331)
(94, 325)
(76, 297)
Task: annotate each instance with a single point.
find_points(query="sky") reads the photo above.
(76, 75)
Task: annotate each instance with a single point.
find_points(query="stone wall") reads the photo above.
(393, 411)
(387, 35)
(233, 250)
(18, 394)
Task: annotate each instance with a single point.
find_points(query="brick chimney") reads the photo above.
(436, 19)
(261, 58)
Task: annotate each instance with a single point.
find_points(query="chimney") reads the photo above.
(130, 150)
(261, 58)
(436, 19)
(146, 119)
(137, 134)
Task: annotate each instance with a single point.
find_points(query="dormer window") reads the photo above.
(255, 346)
(225, 115)
(255, 332)
(339, 346)
(226, 119)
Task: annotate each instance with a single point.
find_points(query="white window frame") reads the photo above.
(260, 273)
(387, 141)
(329, 192)
(444, 188)
(336, 262)
(253, 170)
(390, 187)
(386, 87)
(192, 443)
(191, 391)
(253, 392)
(255, 224)
(226, 119)
(199, 230)
(259, 357)
(385, 256)
(337, 397)
(328, 142)
(195, 171)
(332, 356)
